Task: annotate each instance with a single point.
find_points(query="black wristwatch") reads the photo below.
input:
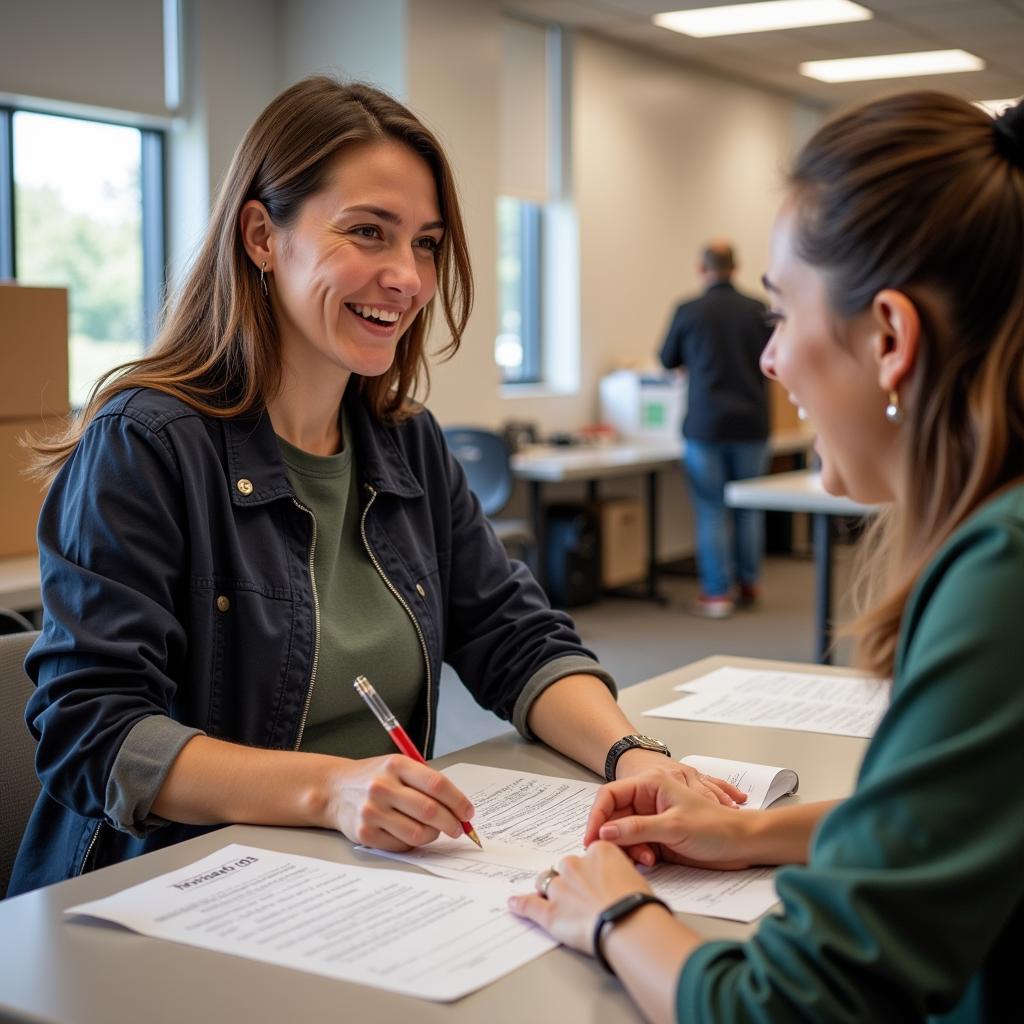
(618, 911)
(630, 743)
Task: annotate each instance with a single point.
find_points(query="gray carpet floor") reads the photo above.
(636, 640)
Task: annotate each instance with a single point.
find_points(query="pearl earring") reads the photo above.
(893, 412)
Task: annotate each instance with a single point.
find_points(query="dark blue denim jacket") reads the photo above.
(178, 599)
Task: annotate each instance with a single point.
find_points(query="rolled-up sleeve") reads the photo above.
(139, 771)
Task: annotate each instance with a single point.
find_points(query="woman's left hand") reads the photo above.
(583, 887)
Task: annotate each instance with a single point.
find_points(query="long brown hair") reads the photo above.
(916, 193)
(217, 349)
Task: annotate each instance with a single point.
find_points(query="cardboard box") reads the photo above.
(623, 541)
(20, 496)
(33, 352)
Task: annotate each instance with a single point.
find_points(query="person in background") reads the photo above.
(718, 339)
(256, 512)
(897, 284)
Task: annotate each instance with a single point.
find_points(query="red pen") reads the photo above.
(384, 715)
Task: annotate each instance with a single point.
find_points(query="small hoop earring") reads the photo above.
(263, 277)
(893, 412)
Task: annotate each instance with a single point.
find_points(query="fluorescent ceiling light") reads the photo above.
(760, 17)
(996, 107)
(892, 65)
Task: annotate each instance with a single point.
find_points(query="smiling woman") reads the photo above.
(347, 279)
(245, 520)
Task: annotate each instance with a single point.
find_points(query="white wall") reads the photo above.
(231, 70)
(237, 55)
(360, 39)
(665, 158)
(453, 85)
(104, 53)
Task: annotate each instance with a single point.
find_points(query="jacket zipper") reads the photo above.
(316, 628)
(403, 603)
(89, 848)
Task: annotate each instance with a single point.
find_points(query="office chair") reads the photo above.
(485, 458)
(14, 622)
(19, 785)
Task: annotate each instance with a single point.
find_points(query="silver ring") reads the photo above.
(544, 879)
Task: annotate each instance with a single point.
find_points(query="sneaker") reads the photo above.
(712, 607)
(748, 596)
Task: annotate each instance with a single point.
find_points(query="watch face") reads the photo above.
(650, 742)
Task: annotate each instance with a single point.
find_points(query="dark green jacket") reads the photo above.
(912, 905)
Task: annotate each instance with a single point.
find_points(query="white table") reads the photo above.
(589, 464)
(803, 492)
(19, 583)
(60, 971)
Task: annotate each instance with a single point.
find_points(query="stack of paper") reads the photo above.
(841, 705)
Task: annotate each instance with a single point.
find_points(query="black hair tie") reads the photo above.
(1009, 133)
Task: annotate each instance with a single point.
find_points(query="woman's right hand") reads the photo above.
(394, 803)
(656, 810)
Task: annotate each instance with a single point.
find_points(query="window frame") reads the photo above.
(153, 213)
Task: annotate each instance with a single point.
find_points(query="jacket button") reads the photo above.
(244, 486)
(223, 603)
(420, 590)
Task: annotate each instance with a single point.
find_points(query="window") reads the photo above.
(536, 337)
(518, 346)
(87, 214)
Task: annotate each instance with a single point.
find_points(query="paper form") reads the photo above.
(840, 705)
(403, 932)
(858, 690)
(527, 822)
(762, 783)
(773, 712)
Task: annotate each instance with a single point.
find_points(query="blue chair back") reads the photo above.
(485, 458)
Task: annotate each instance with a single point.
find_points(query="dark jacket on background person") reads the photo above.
(718, 338)
(178, 600)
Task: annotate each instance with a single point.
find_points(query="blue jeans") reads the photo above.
(721, 559)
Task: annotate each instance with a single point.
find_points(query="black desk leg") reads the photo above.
(652, 538)
(537, 521)
(822, 588)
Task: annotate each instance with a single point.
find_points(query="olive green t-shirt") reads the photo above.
(363, 628)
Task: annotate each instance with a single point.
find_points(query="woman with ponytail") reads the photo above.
(897, 279)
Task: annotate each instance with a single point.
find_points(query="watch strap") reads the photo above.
(631, 742)
(617, 912)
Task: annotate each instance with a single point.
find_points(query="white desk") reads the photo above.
(61, 971)
(19, 583)
(589, 464)
(803, 492)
